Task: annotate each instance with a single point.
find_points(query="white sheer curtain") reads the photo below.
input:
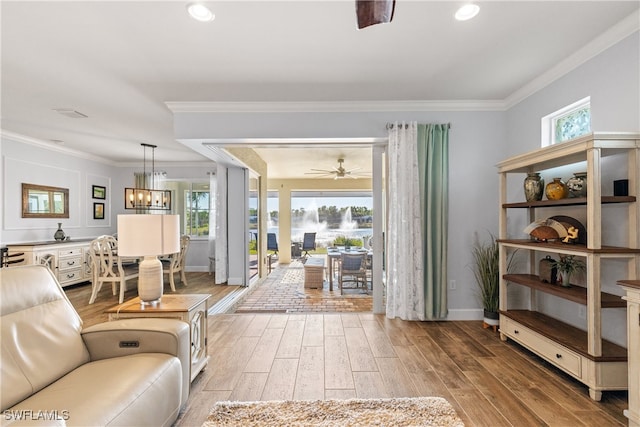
(405, 261)
(220, 237)
(213, 189)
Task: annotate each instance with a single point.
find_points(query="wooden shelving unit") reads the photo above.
(582, 353)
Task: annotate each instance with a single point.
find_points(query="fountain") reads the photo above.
(347, 222)
(310, 222)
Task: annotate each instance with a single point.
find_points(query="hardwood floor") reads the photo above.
(331, 355)
(322, 356)
(198, 283)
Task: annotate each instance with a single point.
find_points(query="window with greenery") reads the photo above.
(567, 123)
(196, 212)
(573, 124)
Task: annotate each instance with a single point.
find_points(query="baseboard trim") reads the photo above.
(465, 314)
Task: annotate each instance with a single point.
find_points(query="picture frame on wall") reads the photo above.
(99, 192)
(98, 211)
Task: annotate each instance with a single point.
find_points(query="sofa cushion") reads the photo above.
(40, 330)
(133, 390)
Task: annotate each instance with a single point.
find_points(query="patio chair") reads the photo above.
(272, 243)
(352, 268)
(308, 244)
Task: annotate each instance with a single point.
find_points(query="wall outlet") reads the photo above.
(582, 312)
(452, 285)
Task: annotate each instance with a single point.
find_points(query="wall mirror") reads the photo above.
(41, 201)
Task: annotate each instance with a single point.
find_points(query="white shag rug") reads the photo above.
(413, 411)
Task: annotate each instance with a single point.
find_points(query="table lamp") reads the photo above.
(148, 236)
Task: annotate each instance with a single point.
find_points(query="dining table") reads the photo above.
(333, 256)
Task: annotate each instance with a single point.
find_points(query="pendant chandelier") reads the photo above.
(147, 198)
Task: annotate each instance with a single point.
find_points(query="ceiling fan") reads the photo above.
(372, 12)
(338, 172)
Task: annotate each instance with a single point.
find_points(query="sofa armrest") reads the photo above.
(142, 335)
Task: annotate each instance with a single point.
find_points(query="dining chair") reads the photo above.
(352, 268)
(176, 263)
(107, 266)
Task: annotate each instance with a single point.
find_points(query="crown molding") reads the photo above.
(48, 145)
(334, 106)
(613, 35)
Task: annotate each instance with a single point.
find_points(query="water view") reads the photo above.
(329, 222)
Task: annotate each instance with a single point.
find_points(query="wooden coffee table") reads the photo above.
(190, 308)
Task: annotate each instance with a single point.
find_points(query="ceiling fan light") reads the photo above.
(467, 12)
(200, 12)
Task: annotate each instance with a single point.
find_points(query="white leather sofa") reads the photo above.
(130, 372)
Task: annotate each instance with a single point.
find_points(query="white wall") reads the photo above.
(26, 163)
(22, 161)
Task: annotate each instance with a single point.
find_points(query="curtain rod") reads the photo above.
(406, 125)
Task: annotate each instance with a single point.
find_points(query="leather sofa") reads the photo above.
(131, 372)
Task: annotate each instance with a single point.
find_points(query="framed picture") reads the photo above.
(98, 211)
(99, 192)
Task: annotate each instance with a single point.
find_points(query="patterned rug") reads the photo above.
(416, 411)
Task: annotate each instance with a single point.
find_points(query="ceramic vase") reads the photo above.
(577, 185)
(566, 280)
(556, 190)
(533, 187)
(59, 234)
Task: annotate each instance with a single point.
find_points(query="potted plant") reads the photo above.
(487, 273)
(567, 266)
(486, 269)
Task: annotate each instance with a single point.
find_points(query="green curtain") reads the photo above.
(433, 170)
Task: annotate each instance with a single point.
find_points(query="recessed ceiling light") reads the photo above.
(467, 12)
(200, 12)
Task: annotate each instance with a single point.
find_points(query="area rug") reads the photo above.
(417, 411)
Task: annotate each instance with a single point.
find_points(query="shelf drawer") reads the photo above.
(550, 350)
(70, 252)
(70, 263)
(70, 276)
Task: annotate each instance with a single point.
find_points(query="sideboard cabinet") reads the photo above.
(67, 259)
(579, 351)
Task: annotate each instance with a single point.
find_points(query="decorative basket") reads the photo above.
(547, 272)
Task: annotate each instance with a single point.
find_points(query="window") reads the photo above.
(567, 123)
(196, 212)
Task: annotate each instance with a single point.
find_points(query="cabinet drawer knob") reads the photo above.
(558, 356)
(515, 331)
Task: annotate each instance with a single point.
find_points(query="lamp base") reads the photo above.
(150, 281)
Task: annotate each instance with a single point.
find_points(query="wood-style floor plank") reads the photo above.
(310, 380)
(337, 368)
(487, 381)
(291, 341)
(281, 381)
(266, 349)
(329, 356)
(360, 355)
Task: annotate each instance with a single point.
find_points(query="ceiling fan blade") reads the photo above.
(321, 170)
(372, 12)
(353, 170)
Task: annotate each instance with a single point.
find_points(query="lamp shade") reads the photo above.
(148, 235)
